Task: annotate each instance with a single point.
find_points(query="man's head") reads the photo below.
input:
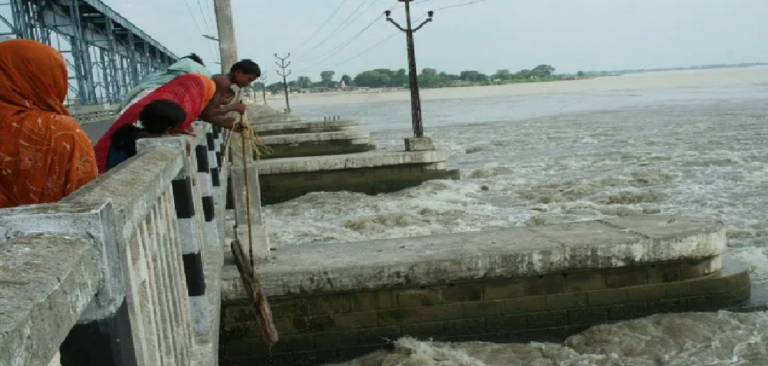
(244, 72)
(162, 116)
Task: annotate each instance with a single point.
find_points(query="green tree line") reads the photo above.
(428, 78)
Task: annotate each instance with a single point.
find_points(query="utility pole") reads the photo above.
(284, 65)
(264, 88)
(418, 129)
(226, 28)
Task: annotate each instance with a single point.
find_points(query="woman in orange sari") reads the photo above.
(195, 94)
(44, 154)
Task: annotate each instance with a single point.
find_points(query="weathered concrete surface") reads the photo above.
(317, 144)
(514, 252)
(134, 188)
(46, 282)
(419, 144)
(354, 137)
(91, 220)
(267, 129)
(369, 159)
(333, 328)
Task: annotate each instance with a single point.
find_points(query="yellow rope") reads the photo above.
(249, 133)
(257, 146)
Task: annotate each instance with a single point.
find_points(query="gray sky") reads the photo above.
(495, 34)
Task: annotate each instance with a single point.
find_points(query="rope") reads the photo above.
(258, 148)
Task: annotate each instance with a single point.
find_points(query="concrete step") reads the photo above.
(317, 138)
(371, 172)
(317, 144)
(286, 128)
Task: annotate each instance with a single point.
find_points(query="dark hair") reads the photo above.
(156, 118)
(194, 57)
(247, 67)
(160, 115)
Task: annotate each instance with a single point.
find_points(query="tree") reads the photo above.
(347, 80)
(543, 71)
(503, 74)
(580, 73)
(469, 75)
(430, 79)
(304, 82)
(400, 79)
(326, 79)
(524, 74)
(275, 88)
(372, 79)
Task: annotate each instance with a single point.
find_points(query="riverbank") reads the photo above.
(652, 80)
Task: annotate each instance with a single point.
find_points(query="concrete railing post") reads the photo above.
(259, 238)
(103, 333)
(190, 187)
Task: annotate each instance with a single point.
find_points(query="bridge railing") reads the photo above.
(119, 272)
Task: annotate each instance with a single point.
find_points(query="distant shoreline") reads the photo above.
(644, 80)
(375, 91)
(588, 75)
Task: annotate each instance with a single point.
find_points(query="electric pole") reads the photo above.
(418, 129)
(264, 88)
(226, 28)
(284, 65)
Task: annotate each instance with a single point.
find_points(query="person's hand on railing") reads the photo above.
(189, 131)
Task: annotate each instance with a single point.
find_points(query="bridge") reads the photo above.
(106, 54)
(134, 268)
(127, 270)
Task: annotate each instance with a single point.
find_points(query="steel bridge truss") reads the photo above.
(106, 54)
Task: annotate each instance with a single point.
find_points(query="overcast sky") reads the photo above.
(570, 35)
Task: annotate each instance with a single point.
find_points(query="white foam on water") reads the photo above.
(688, 158)
(721, 339)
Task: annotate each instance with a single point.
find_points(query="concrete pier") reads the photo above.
(370, 172)
(318, 143)
(268, 129)
(334, 155)
(333, 302)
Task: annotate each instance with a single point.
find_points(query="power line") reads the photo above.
(365, 51)
(458, 5)
(321, 26)
(202, 13)
(333, 51)
(344, 24)
(388, 38)
(343, 45)
(197, 25)
(214, 25)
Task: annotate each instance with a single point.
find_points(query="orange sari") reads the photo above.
(192, 92)
(44, 154)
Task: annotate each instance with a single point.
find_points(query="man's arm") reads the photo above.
(226, 109)
(212, 115)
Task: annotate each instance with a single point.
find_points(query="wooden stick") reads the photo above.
(256, 296)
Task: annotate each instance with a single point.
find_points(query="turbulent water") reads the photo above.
(559, 157)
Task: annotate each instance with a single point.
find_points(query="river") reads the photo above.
(690, 142)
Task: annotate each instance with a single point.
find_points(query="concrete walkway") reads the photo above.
(96, 130)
